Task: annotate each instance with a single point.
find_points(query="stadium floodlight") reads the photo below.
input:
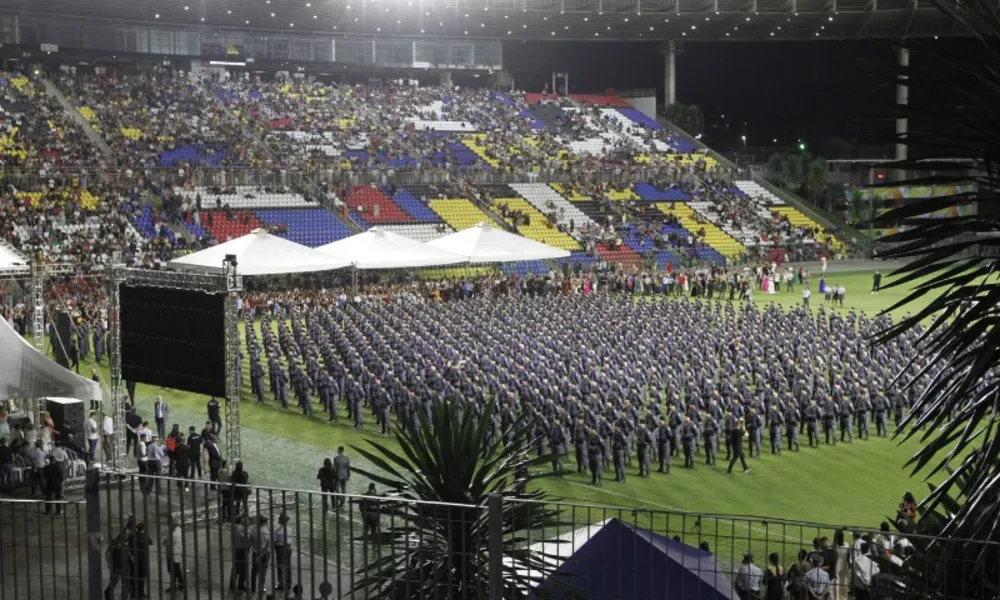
(802, 146)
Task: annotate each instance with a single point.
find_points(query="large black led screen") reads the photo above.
(174, 339)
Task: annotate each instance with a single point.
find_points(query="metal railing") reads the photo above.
(252, 542)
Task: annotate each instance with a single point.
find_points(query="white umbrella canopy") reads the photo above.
(259, 253)
(486, 244)
(381, 249)
(11, 262)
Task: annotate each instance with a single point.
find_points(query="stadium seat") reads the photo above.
(459, 213)
(538, 227)
(307, 226)
(375, 207)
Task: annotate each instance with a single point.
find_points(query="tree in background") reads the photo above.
(954, 111)
(686, 116)
(802, 174)
(437, 540)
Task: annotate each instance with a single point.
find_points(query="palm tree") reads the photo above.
(954, 111)
(448, 468)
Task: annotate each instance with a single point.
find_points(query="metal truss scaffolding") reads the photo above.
(118, 394)
(229, 284)
(234, 285)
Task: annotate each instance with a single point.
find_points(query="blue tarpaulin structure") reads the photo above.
(618, 561)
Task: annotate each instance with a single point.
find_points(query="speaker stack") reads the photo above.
(68, 415)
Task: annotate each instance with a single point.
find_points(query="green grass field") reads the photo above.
(851, 485)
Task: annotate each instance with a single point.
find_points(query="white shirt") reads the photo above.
(90, 427)
(806, 293)
(748, 578)
(108, 426)
(818, 581)
(864, 569)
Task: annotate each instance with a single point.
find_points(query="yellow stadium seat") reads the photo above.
(716, 238)
(87, 113)
(798, 219)
(538, 229)
(131, 133)
(454, 272)
(459, 213)
(571, 195)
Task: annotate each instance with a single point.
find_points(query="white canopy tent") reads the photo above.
(486, 244)
(381, 249)
(259, 253)
(10, 262)
(27, 373)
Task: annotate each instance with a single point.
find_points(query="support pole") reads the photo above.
(670, 74)
(37, 327)
(234, 284)
(902, 100)
(118, 394)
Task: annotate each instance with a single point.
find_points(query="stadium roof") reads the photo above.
(652, 20)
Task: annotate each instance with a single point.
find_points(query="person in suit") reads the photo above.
(161, 411)
(240, 490)
(342, 473)
(736, 443)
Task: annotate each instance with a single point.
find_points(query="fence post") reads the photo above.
(495, 519)
(92, 496)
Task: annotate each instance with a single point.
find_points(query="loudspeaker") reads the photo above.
(67, 415)
(61, 337)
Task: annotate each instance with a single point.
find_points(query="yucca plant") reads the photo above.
(952, 253)
(436, 525)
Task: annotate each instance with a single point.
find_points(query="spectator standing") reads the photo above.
(174, 543)
(6, 466)
(213, 416)
(370, 511)
(342, 473)
(774, 578)
(798, 589)
(161, 411)
(154, 464)
(182, 463)
(54, 480)
(214, 457)
(239, 545)
(283, 555)
(842, 568)
(119, 560)
(4, 425)
(817, 580)
(260, 543)
(240, 491)
(91, 433)
(107, 436)
(748, 579)
(36, 458)
(327, 481)
(864, 570)
(139, 545)
(194, 443)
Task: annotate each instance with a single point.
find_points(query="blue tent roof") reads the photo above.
(624, 562)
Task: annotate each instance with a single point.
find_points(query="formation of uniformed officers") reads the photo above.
(615, 379)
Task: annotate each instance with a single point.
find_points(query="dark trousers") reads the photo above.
(238, 573)
(175, 572)
(152, 468)
(216, 426)
(738, 455)
(131, 441)
(258, 574)
(53, 493)
(194, 467)
(283, 567)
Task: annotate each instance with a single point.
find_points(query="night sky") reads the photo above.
(784, 91)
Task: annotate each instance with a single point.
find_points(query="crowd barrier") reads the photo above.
(351, 546)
